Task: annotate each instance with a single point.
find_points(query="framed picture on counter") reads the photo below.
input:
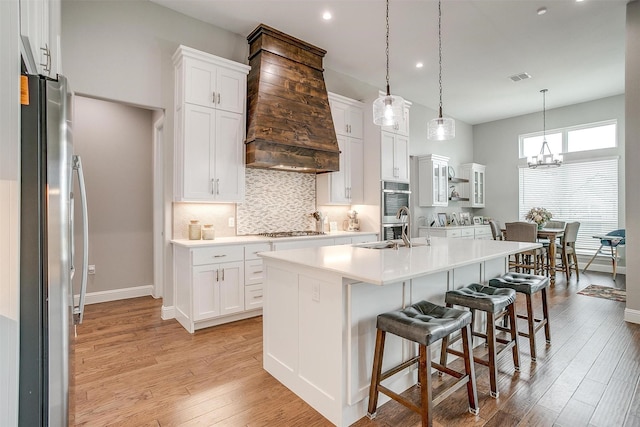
(465, 218)
(454, 219)
(477, 220)
(442, 219)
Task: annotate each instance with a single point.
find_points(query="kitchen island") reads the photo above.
(321, 305)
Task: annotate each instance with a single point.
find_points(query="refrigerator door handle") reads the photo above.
(72, 248)
(78, 312)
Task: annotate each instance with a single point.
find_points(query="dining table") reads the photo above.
(551, 234)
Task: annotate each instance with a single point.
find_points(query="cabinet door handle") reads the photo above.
(47, 54)
(219, 256)
(223, 274)
(257, 297)
(213, 186)
(257, 272)
(217, 276)
(217, 186)
(213, 97)
(218, 98)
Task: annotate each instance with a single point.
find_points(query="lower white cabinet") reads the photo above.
(254, 276)
(210, 287)
(461, 232)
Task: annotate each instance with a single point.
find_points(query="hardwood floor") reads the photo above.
(134, 369)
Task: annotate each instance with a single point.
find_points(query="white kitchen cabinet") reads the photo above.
(394, 157)
(254, 275)
(209, 285)
(209, 130)
(213, 82)
(348, 116)
(40, 22)
(480, 232)
(433, 180)
(474, 190)
(346, 186)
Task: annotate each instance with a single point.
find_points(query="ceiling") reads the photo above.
(576, 49)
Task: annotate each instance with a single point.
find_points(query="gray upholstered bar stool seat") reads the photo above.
(423, 323)
(496, 303)
(529, 284)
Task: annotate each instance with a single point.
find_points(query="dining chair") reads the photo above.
(496, 232)
(567, 250)
(552, 224)
(612, 244)
(531, 261)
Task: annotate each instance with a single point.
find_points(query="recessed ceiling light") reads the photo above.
(326, 16)
(419, 65)
(579, 1)
(542, 11)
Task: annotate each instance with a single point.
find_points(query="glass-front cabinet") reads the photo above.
(433, 180)
(475, 189)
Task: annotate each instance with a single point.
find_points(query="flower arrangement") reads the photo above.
(538, 215)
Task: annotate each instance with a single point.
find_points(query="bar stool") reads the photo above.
(423, 323)
(528, 284)
(496, 303)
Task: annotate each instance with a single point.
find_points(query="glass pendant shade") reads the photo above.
(388, 110)
(441, 129)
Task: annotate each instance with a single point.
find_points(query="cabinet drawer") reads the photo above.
(455, 233)
(483, 232)
(251, 251)
(467, 233)
(253, 272)
(213, 255)
(253, 296)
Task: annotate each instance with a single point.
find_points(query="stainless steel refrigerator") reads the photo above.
(47, 310)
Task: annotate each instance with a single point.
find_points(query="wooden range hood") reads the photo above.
(289, 123)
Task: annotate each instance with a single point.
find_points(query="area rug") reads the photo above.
(605, 292)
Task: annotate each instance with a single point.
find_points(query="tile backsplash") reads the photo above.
(274, 201)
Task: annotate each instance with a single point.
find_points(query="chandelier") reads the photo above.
(388, 109)
(440, 128)
(545, 159)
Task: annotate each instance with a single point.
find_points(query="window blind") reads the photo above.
(585, 191)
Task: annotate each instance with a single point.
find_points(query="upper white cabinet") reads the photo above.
(40, 22)
(210, 97)
(475, 189)
(394, 157)
(348, 116)
(213, 85)
(433, 180)
(345, 186)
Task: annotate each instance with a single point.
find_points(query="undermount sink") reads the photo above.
(386, 245)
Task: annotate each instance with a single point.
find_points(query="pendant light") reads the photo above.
(545, 159)
(388, 110)
(440, 128)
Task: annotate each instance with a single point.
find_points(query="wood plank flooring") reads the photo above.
(134, 369)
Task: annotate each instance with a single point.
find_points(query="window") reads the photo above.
(592, 136)
(585, 191)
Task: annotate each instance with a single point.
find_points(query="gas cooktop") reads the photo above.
(291, 233)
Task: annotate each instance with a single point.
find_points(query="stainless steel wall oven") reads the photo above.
(394, 196)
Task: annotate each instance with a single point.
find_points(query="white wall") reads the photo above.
(9, 210)
(496, 145)
(115, 143)
(632, 107)
(122, 51)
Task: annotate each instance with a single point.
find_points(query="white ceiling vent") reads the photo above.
(519, 76)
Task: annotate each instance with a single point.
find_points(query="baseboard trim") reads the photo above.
(605, 269)
(168, 312)
(115, 294)
(632, 316)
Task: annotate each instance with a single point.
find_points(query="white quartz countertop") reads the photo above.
(385, 266)
(243, 240)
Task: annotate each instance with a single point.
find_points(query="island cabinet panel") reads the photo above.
(365, 303)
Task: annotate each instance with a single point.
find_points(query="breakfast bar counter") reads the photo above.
(321, 304)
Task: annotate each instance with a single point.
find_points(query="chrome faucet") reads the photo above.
(406, 226)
